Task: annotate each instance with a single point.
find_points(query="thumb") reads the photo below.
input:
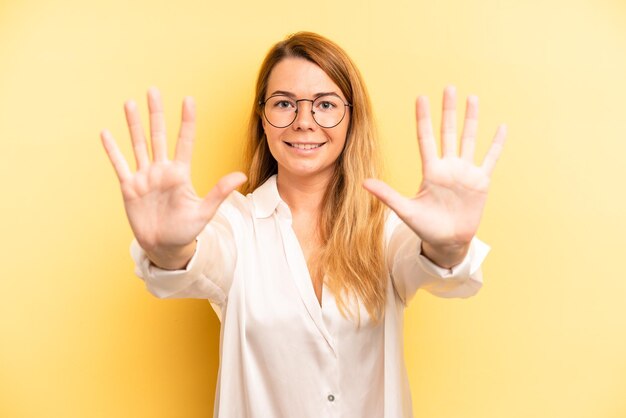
(387, 195)
(220, 192)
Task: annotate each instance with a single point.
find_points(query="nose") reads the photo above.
(304, 116)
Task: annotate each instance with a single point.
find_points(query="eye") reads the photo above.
(326, 105)
(282, 103)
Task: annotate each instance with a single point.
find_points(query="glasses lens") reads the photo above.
(328, 110)
(280, 111)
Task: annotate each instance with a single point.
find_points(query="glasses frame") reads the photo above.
(295, 114)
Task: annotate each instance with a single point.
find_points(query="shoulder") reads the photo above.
(260, 204)
(236, 207)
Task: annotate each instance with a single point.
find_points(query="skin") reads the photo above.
(166, 215)
(303, 79)
(448, 207)
(162, 207)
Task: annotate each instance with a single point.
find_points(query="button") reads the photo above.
(331, 397)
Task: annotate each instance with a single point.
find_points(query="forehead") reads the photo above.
(300, 77)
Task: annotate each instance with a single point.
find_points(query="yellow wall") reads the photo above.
(546, 337)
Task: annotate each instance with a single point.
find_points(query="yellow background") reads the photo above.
(546, 337)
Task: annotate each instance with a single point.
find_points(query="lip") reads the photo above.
(305, 143)
(318, 145)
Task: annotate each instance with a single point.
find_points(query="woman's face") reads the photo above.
(304, 148)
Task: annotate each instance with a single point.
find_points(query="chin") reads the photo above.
(306, 171)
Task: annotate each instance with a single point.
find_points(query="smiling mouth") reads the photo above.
(304, 146)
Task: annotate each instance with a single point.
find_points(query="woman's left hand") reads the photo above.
(447, 209)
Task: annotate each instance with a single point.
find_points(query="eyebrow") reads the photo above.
(293, 96)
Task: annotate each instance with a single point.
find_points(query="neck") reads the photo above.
(302, 194)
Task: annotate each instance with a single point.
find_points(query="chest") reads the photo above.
(307, 233)
(280, 291)
(302, 351)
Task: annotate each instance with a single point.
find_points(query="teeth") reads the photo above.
(306, 146)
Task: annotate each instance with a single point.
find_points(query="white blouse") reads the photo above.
(281, 353)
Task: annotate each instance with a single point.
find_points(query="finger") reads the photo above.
(222, 189)
(157, 125)
(448, 122)
(117, 159)
(470, 128)
(489, 163)
(387, 195)
(426, 139)
(184, 146)
(137, 136)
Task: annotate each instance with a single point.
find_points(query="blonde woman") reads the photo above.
(310, 268)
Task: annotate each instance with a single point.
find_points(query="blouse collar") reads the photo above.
(267, 200)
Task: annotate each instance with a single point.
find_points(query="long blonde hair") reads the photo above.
(352, 221)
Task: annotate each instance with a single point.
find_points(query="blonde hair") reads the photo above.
(352, 221)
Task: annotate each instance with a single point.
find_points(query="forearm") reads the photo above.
(454, 272)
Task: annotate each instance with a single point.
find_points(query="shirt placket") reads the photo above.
(329, 393)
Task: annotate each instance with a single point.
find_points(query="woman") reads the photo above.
(308, 272)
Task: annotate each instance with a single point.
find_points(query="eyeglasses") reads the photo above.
(281, 111)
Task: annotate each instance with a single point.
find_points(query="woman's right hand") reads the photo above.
(163, 209)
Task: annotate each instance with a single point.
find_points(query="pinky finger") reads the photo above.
(117, 159)
(489, 163)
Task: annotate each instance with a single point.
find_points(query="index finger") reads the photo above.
(426, 139)
(136, 134)
(184, 146)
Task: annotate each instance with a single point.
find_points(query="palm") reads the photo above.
(448, 206)
(162, 206)
(163, 209)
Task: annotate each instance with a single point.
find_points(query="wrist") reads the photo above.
(172, 258)
(445, 256)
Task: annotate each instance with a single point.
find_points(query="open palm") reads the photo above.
(163, 209)
(448, 207)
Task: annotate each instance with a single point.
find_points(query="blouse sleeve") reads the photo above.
(411, 271)
(208, 275)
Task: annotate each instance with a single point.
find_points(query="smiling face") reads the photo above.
(304, 149)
